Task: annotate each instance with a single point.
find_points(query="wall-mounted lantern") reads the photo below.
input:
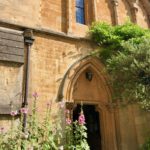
(89, 75)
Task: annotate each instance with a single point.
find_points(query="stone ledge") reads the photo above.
(18, 26)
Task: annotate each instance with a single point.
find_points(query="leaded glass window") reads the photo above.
(80, 16)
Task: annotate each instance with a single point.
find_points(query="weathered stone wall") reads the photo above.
(56, 15)
(104, 11)
(11, 78)
(134, 127)
(142, 17)
(20, 12)
(53, 14)
(52, 55)
(124, 12)
(55, 55)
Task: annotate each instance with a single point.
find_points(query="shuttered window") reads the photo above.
(80, 16)
(11, 69)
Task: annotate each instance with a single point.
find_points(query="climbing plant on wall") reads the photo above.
(125, 50)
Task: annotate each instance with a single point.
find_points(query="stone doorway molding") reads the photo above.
(76, 89)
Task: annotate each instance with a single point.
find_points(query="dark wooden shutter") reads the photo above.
(11, 46)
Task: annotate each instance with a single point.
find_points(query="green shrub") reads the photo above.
(146, 145)
(125, 50)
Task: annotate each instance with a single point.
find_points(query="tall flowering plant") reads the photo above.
(76, 133)
(11, 139)
(33, 127)
(41, 133)
(49, 139)
(69, 132)
(38, 134)
(80, 133)
(44, 134)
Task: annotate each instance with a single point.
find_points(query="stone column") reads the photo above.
(108, 128)
(69, 16)
(115, 10)
(94, 10)
(117, 125)
(70, 106)
(149, 20)
(86, 12)
(134, 11)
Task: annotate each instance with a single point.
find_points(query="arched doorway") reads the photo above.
(92, 124)
(86, 82)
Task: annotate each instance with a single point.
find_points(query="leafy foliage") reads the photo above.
(125, 50)
(76, 135)
(80, 137)
(38, 134)
(146, 145)
(44, 134)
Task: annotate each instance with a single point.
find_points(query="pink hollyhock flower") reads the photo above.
(2, 129)
(62, 104)
(81, 119)
(35, 95)
(49, 104)
(67, 111)
(13, 113)
(68, 121)
(24, 110)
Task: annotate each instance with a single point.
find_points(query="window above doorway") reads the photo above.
(80, 14)
(84, 12)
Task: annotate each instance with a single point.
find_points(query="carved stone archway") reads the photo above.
(77, 88)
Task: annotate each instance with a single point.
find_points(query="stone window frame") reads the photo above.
(71, 13)
(89, 15)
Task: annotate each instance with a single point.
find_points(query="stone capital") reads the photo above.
(135, 6)
(115, 2)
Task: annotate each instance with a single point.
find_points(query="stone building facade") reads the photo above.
(59, 63)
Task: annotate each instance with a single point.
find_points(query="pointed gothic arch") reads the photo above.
(73, 73)
(76, 88)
